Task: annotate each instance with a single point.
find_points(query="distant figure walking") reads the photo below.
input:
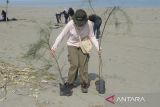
(97, 24)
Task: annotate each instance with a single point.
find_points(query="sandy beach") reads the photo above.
(131, 55)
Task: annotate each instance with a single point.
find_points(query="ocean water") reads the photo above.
(84, 3)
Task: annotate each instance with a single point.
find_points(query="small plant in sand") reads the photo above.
(41, 50)
(38, 51)
(117, 16)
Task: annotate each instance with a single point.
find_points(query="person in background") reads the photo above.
(3, 16)
(97, 24)
(58, 17)
(81, 27)
(66, 16)
(70, 12)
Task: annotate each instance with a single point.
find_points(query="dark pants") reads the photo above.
(58, 17)
(96, 28)
(66, 19)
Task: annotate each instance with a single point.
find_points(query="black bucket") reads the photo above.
(100, 86)
(65, 90)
